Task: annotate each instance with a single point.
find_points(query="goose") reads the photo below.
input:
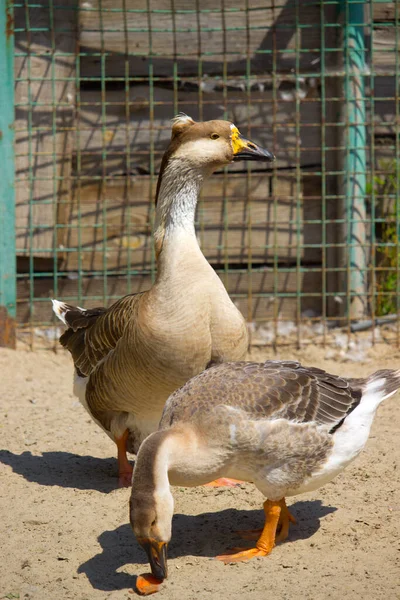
(288, 429)
(130, 357)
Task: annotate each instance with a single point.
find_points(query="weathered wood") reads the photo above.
(114, 134)
(117, 136)
(44, 60)
(384, 11)
(386, 50)
(263, 305)
(239, 220)
(125, 38)
(217, 35)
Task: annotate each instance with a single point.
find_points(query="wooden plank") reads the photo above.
(237, 220)
(126, 37)
(384, 11)
(386, 50)
(217, 36)
(44, 99)
(110, 142)
(264, 286)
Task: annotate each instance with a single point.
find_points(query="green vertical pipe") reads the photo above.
(355, 159)
(7, 177)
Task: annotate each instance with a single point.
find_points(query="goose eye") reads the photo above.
(214, 136)
(153, 523)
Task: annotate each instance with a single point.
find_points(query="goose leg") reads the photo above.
(285, 518)
(125, 469)
(266, 541)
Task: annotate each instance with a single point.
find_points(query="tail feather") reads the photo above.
(76, 317)
(60, 309)
(384, 383)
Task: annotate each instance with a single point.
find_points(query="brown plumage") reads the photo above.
(94, 332)
(131, 356)
(288, 429)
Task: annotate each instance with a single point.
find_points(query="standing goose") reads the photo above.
(287, 428)
(130, 357)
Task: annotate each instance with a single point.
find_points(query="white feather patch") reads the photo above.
(374, 385)
(60, 308)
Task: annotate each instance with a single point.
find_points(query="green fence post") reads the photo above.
(355, 158)
(7, 178)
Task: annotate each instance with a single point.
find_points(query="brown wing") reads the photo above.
(274, 389)
(93, 333)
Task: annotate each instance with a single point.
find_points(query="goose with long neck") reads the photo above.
(130, 357)
(287, 428)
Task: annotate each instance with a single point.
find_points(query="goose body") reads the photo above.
(130, 357)
(288, 429)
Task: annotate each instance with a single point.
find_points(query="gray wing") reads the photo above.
(274, 389)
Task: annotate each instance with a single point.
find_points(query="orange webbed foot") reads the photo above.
(240, 555)
(276, 514)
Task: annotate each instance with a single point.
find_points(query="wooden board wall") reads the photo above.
(44, 119)
(115, 132)
(222, 38)
(239, 220)
(68, 143)
(263, 285)
(110, 133)
(125, 41)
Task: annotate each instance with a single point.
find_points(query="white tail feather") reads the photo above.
(351, 437)
(380, 386)
(60, 308)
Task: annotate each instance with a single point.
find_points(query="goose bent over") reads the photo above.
(130, 357)
(288, 429)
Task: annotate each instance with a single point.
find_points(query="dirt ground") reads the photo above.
(64, 525)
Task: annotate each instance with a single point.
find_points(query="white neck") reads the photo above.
(160, 453)
(162, 459)
(153, 460)
(177, 200)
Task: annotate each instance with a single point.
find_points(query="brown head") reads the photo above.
(209, 145)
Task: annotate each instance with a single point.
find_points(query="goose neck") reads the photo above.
(155, 457)
(179, 189)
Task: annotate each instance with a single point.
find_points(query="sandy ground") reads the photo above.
(64, 526)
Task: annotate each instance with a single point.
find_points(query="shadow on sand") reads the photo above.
(208, 534)
(65, 470)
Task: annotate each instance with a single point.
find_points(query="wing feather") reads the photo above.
(274, 389)
(93, 333)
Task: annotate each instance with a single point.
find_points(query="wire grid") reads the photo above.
(96, 85)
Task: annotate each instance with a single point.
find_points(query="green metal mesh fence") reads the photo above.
(307, 245)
